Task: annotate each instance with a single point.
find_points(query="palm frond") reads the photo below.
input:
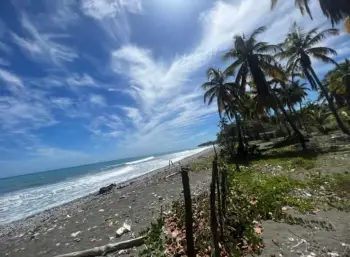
(209, 94)
(322, 50)
(323, 35)
(269, 49)
(323, 58)
(207, 85)
(231, 69)
(258, 31)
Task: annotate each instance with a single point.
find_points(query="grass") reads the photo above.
(202, 164)
(261, 191)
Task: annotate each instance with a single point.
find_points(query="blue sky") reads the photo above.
(93, 80)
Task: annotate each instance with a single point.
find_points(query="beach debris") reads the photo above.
(122, 230)
(101, 210)
(333, 254)
(77, 239)
(102, 250)
(68, 216)
(58, 244)
(75, 234)
(92, 240)
(124, 251)
(106, 189)
(35, 236)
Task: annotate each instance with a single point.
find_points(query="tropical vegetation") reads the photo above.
(265, 86)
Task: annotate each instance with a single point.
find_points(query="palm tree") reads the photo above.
(335, 10)
(291, 94)
(226, 94)
(299, 47)
(338, 81)
(253, 59)
(319, 116)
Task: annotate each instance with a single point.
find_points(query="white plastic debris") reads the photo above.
(75, 233)
(122, 230)
(333, 254)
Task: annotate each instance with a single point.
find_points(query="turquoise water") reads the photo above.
(26, 195)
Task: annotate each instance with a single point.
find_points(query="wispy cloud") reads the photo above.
(13, 82)
(112, 16)
(81, 80)
(42, 46)
(107, 126)
(97, 100)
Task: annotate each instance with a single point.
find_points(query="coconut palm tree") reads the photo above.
(319, 116)
(226, 94)
(335, 10)
(291, 94)
(338, 81)
(299, 48)
(254, 59)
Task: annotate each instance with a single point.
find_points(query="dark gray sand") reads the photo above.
(93, 220)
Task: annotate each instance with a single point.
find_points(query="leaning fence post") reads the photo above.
(213, 219)
(188, 212)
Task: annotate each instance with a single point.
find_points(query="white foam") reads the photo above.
(140, 161)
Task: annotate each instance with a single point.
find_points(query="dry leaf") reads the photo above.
(258, 230)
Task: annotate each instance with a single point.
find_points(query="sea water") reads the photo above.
(25, 195)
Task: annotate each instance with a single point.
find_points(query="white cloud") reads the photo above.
(81, 80)
(106, 126)
(63, 103)
(13, 82)
(112, 16)
(104, 9)
(41, 46)
(10, 78)
(97, 100)
(16, 114)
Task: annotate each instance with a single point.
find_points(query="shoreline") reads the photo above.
(13, 234)
(90, 196)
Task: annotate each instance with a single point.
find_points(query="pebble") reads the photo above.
(77, 239)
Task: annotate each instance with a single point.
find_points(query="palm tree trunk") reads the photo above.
(297, 116)
(330, 103)
(296, 130)
(302, 118)
(240, 149)
(278, 115)
(346, 80)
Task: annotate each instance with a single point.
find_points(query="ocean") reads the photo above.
(25, 195)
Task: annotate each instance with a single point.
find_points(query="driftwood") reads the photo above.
(103, 250)
(213, 219)
(188, 212)
(171, 175)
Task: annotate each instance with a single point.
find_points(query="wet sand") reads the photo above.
(93, 220)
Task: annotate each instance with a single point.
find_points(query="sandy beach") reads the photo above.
(93, 220)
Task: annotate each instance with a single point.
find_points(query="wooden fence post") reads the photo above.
(213, 219)
(188, 212)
